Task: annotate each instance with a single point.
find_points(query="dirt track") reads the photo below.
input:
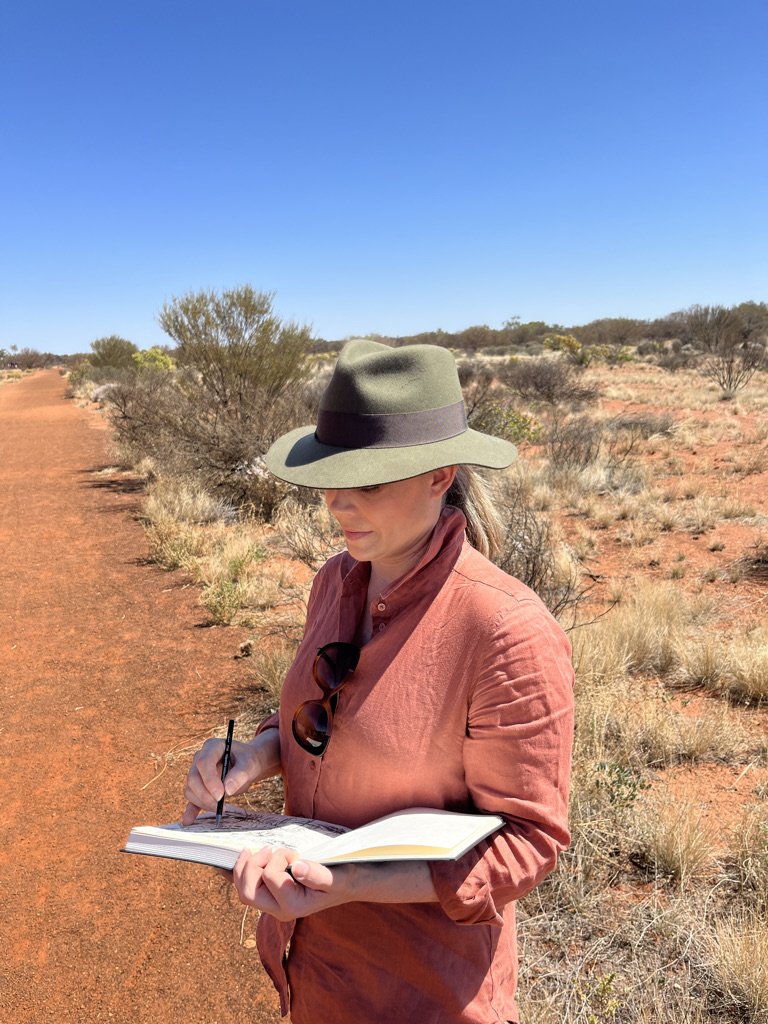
(104, 667)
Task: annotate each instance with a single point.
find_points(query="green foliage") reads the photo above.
(153, 359)
(225, 596)
(501, 419)
(239, 385)
(582, 355)
(112, 351)
(237, 344)
(622, 785)
(600, 1003)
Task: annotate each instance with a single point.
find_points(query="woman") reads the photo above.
(454, 691)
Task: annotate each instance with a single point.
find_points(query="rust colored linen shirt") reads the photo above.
(463, 700)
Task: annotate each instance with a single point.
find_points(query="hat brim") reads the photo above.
(299, 458)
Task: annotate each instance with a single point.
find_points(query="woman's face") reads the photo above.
(389, 525)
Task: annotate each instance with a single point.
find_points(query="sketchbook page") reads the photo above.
(419, 833)
(238, 830)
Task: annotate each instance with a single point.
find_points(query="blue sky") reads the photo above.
(381, 167)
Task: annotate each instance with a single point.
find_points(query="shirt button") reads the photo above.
(381, 606)
(381, 626)
(313, 765)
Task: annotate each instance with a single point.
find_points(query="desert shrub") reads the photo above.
(574, 443)
(271, 662)
(89, 383)
(674, 359)
(533, 553)
(489, 408)
(478, 380)
(501, 419)
(308, 530)
(154, 358)
(641, 426)
(179, 499)
(733, 342)
(736, 666)
(550, 380)
(240, 384)
(645, 632)
(755, 562)
(114, 352)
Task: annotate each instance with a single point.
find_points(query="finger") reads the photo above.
(312, 875)
(276, 876)
(196, 793)
(191, 812)
(208, 761)
(248, 878)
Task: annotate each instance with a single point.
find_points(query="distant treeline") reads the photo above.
(513, 336)
(516, 335)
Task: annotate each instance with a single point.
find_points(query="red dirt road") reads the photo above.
(104, 667)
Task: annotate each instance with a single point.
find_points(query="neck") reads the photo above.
(387, 571)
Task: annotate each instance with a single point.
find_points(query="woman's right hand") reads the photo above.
(248, 763)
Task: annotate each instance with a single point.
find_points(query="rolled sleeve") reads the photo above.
(517, 759)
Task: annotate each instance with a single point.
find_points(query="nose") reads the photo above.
(339, 501)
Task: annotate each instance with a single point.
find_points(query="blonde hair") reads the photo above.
(471, 494)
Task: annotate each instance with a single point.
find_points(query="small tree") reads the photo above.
(733, 341)
(112, 351)
(237, 343)
(239, 385)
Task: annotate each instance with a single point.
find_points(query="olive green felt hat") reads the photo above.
(387, 414)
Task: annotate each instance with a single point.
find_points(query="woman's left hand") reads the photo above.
(262, 881)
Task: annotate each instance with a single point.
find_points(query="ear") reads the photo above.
(442, 480)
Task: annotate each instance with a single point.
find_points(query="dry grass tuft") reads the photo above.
(643, 633)
(185, 501)
(673, 841)
(737, 666)
(750, 856)
(738, 959)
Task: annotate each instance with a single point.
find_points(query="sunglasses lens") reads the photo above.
(312, 726)
(326, 672)
(334, 662)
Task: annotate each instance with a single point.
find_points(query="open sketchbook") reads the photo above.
(416, 834)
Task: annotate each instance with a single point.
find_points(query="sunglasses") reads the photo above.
(313, 720)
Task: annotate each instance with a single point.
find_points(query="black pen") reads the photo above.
(225, 768)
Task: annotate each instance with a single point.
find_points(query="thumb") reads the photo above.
(312, 875)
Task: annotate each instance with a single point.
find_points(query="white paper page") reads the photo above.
(408, 828)
(237, 830)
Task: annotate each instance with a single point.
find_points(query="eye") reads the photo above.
(369, 490)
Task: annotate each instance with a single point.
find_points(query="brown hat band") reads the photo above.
(390, 430)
